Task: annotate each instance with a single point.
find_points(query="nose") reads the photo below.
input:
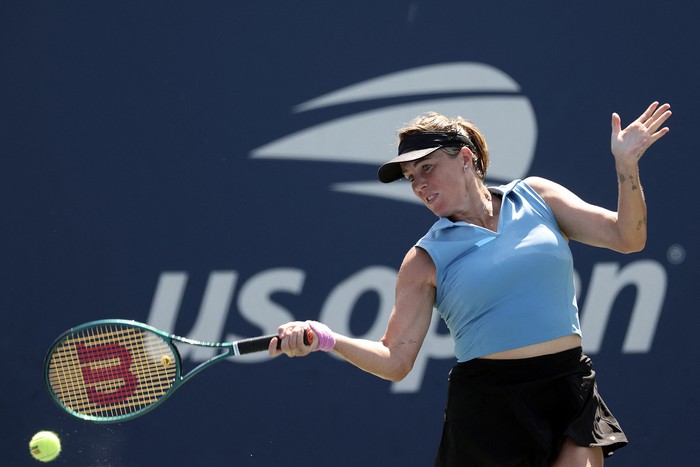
(418, 184)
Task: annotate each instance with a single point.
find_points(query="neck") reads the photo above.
(481, 208)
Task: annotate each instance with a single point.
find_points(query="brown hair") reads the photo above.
(433, 121)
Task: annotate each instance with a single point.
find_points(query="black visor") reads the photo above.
(417, 145)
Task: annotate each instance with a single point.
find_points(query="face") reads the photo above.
(438, 180)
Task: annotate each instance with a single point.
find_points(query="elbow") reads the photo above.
(633, 246)
(628, 251)
(399, 371)
(399, 361)
(630, 239)
(399, 374)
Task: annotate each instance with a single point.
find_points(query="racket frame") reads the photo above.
(228, 349)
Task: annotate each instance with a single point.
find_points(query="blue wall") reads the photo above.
(169, 162)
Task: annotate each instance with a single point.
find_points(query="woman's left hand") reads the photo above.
(629, 144)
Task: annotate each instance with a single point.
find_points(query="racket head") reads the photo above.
(111, 370)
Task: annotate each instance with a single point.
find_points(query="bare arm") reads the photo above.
(393, 356)
(623, 230)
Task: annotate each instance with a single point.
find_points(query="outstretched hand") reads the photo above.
(628, 145)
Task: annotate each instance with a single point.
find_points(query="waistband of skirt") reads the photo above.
(541, 366)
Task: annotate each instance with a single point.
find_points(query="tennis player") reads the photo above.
(498, 268)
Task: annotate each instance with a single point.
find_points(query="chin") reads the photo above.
(438, 212)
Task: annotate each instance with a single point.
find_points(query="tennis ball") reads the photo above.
(45, 446)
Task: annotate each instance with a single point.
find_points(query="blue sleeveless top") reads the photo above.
(503, 290)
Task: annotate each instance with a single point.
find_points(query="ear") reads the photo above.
(467, 155)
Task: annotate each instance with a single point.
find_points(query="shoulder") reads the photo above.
(417, 267)
(542, 186)
(529, 187)
(554, 194)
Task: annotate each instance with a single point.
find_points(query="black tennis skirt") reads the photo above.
(519, 412)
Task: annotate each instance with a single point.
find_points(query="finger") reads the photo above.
(272, 348)
(658, 120)
(283, 346)
(648, 112)
(659, 116)
(655, 137)
(616, 124)
(284, 327)
(298, 337)
(661, 109)
(290, 343)
(288, 347)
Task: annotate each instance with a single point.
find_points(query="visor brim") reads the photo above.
(391, 171)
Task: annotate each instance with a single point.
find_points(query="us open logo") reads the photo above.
(476, 91)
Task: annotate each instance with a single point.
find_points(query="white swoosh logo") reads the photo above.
(506, 118)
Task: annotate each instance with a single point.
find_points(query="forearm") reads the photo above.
(631, 222)
(373, 357)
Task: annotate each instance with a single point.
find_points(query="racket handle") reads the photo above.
(260, 344)
(308, 338)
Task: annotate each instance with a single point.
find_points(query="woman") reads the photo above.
(497, 267)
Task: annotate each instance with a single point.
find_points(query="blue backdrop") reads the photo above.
(209, 168)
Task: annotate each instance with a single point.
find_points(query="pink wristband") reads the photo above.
(326, 340)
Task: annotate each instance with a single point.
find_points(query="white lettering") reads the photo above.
(166, 300)
(211, 317)
(607, 281)
(255, 304)
(340, 304)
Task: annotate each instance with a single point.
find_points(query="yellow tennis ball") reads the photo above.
(45, 446)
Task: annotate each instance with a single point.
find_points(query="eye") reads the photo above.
(426, 167)
(409, 177)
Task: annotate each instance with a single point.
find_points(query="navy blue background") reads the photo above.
(125, 134)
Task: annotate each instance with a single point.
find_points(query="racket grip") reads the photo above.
(308, 338)
(260, 344)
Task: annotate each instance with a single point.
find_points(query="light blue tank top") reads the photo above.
(503, 290)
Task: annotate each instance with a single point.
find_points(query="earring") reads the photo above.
(466, 167)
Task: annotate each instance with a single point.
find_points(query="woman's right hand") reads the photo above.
(292, 337)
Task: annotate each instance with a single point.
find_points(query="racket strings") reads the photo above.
(110, 371)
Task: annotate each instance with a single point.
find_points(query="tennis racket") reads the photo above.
(114, 370)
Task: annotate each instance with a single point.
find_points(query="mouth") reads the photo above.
(430, 198)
